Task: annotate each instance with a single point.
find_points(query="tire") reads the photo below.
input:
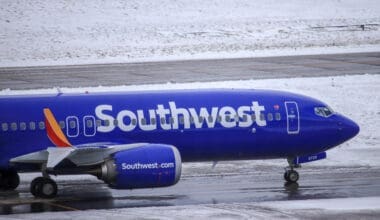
(286, 178)
(13, 180)
(49, 189)
(43, 188)
(2, 180)
(291, 176)
(35, 186)
(9, 180)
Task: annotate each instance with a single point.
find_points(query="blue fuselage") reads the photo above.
(205, 125)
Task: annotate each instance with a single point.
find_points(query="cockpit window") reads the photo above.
(323, 111)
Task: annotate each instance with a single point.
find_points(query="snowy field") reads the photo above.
(45, 32)
(354, 96)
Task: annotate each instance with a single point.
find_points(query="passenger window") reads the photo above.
(244, 118)
(134, 121)
(228, 118)
(13, 126)
(89, 124)
(41, 125)
(270, 117)
(115, 122)
(106, 123)
(219, 118)
(171, 120)
(143, 121)
(62, 124)
(163, 120)
(32, 125)
(253, 116)
(22, 126)
(4, 126)
(181, 120)
(98, 123)
(262, 117)
(191, 120)
(200, 119)
(210, 119)
(277, 116)
(72, 124)
(153, 121)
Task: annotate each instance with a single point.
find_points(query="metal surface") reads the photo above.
(189, 71)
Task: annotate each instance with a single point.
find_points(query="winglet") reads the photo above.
(54, 131)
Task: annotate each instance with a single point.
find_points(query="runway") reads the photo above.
(202, 185)
(189, 71)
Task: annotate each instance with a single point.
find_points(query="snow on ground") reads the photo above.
(45, 32)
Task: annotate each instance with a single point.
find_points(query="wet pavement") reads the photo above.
(222, 185)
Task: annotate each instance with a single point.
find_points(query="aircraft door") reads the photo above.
(293, 119)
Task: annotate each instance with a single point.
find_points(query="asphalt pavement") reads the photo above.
(189, 71)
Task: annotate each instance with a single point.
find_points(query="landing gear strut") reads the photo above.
(290, 175)
(44, 187)
(9, 180)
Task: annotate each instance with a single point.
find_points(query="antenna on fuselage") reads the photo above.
(59, 91)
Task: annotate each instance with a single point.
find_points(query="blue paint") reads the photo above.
(309, 158)
(298, 132)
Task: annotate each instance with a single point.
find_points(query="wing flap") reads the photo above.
(57, 155)
(83, 156)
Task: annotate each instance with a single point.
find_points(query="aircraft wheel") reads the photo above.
(2, 181)
(291, 176)
(43, 188)
(9, 180)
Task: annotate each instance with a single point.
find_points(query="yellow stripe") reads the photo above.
(63, 206)
(55, 126)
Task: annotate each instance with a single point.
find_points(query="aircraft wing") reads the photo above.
(80, 156)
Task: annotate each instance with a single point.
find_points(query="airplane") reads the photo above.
(140, 139)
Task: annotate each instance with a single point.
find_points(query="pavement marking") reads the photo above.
(63, 206)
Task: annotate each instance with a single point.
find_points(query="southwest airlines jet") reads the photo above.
(140, 139)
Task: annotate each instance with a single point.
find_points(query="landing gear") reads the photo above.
(43, 187)
(9, 180)
(290, 175)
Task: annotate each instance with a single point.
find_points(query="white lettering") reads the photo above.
(204, 115)
(132, 118)
(180, 118)
(245, 117)
(148, 125)
(102, 116)
(163, 118)
(256, 108)
(179, 112)
(228, 117)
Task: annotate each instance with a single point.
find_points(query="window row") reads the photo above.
(90, 123)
